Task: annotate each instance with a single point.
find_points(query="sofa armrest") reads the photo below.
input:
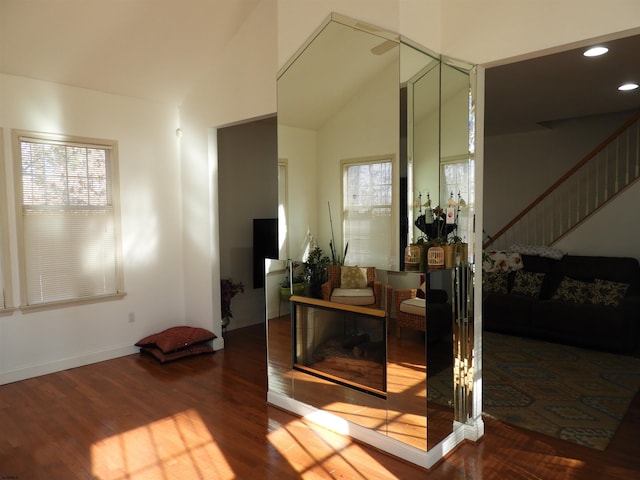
(630, 307)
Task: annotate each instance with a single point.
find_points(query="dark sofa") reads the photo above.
(571, 306)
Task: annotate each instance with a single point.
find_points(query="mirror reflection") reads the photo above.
(362, 115)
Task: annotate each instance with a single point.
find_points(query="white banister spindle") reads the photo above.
(601, 175)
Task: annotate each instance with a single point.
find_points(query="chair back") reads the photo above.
(333, 272)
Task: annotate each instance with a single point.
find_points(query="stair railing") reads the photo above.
(603, 174)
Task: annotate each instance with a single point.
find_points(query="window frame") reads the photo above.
(114, 196)
(375, 260)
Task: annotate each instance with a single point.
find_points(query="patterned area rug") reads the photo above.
(576, 394)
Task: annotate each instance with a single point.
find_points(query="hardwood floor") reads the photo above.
(206, 418)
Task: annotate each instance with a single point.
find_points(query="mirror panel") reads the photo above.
(356, 92)
(423, 159)
(337, 102)
(278, 325)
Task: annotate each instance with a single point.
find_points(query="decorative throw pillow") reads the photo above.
(495, 282)
(190, 351)
(497, 260)
(539, 250)
(175, 338)
(608, 293)
(353, 277)
(572, 290)
(527, 283)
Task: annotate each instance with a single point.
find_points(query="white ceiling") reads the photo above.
(532, 94)
(150, 49)
(158, 49)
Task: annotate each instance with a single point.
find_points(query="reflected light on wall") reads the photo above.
(140, 242)
(179, 446)
(282, 228)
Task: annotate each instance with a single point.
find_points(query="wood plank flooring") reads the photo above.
(206, 418)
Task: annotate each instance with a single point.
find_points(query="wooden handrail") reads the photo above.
(634, 118)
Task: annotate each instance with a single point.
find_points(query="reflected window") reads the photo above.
(367, 194)
(457, 180)
(69, 237)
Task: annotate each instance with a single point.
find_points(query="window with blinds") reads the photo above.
(367, 213)
(69, 236)
(457, 178)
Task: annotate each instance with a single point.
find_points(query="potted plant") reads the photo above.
(228, 290)
(315, 269)
(293, 281)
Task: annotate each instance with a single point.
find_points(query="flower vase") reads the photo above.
(298, 289)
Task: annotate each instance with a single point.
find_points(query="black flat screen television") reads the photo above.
(265, 245)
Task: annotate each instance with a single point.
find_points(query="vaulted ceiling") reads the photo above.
(158, 49)
(150, 49)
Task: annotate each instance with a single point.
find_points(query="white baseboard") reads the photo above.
(65, 364)
(425, 459)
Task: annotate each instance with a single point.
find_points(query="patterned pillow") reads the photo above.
(527, 283)
(175, 338)
(608, 293)
(497, 260)
(571, 290)
(495, 282)
(353, 277)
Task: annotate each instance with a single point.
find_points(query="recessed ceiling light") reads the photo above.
(595, 51)
(625, 87)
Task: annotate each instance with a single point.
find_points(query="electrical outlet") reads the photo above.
(132, 317)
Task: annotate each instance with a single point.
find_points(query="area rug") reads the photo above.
(575, 394)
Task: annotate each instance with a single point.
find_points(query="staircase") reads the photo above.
(609, 169)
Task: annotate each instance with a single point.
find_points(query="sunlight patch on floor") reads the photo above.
(178, 447)
(323, 454)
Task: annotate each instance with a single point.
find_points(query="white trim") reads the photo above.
(426, 459)
(65, 364)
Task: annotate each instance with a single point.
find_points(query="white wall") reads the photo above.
(49, 340)
(613, 232)
(298, 147)
(367, 126)
(247, 189)
(239, 86)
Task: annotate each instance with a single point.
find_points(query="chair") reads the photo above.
(412, 312)
(366, 291)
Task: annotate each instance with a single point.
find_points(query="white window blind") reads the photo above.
(69, 235)
(367, 221)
